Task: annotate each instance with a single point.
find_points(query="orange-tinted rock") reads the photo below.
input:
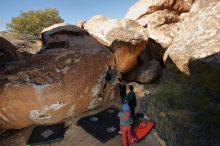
(37, 91)
(126, 54)
(125, 37)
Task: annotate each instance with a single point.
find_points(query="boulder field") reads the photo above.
(67, 76)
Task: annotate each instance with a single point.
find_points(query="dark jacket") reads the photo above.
(132, 99)
(123, 94)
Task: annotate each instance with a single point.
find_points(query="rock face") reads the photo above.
(125, 37)
(145, 73)
(164, 34)
(199, 38)
(153, 50)
(8, 51)
(199, 4)
(160, 17)
(57, 83)
(144, 7)
(27, 47)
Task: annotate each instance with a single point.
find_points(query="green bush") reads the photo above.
(28, 25)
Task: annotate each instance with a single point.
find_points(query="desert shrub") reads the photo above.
(28, 25)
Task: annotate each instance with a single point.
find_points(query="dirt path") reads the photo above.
(76, 136)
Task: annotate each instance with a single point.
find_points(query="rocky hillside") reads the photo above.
(172, 44)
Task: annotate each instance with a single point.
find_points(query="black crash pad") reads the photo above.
(103, 125)
(47, 134)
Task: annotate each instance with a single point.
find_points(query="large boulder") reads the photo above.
(199, 4)
(125, 37)
(153, 50)
(144, 7)
(164, 34)
(198, 39)
(145, 73)
(160, 17)
(57, 83)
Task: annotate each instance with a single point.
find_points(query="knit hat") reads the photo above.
(125, 99)
(125, 107)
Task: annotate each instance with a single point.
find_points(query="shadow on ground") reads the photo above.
(186, 108)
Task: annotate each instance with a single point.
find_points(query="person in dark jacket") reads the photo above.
(132, 102)
(112, 75)
(122, 90)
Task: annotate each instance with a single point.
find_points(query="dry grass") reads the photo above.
(186, 109)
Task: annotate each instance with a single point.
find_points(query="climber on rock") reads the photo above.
(112, 75)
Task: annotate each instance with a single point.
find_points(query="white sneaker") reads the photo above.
(119, 132)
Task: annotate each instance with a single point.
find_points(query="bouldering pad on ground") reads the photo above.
(141, 129)
(47, 134)
(103, 125)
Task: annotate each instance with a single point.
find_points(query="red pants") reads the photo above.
(126, 135)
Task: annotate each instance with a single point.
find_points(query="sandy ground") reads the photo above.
(76, 136)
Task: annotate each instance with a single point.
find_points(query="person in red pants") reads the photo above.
(125, 125)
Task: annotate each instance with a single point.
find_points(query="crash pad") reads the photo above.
(103, 125)
(141, 130)
(47, 134)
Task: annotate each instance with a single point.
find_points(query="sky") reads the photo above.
(70, 10)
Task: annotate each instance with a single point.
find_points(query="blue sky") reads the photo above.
(70, 10)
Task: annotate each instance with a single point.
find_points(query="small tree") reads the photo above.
(28, 25)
